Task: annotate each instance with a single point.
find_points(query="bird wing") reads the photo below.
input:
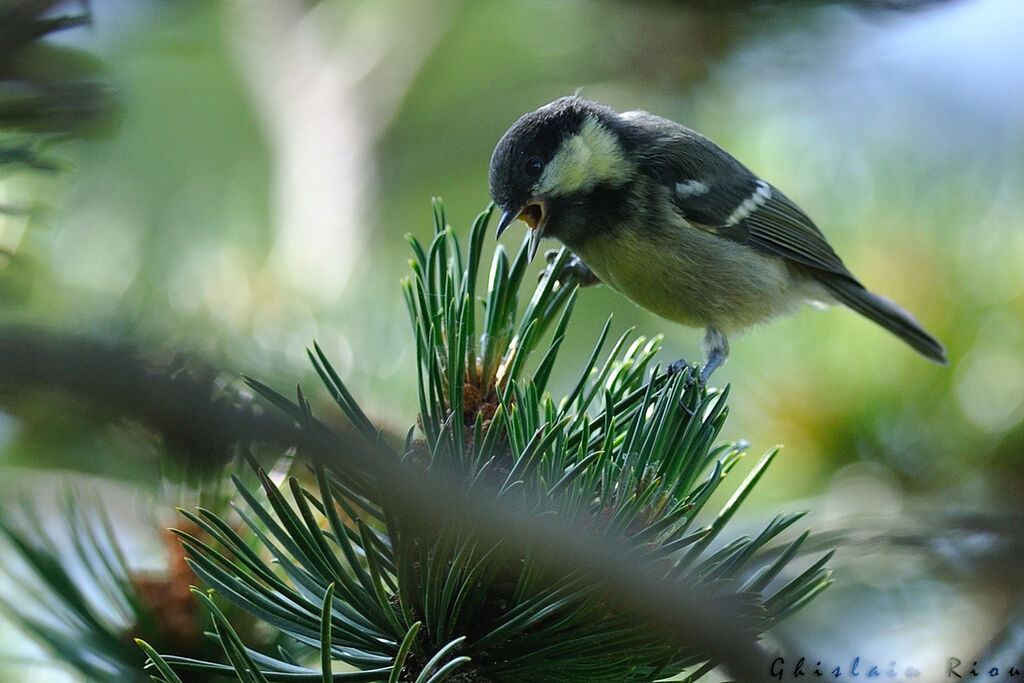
(781, 228)
(716, 193)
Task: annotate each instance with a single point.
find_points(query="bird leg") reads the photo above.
(575, 266)
(716, 350)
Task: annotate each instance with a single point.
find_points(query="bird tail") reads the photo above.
(887, 314)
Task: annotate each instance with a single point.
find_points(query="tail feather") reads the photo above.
(889, 315)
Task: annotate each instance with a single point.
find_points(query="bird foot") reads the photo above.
(693, 378)
(574, 267)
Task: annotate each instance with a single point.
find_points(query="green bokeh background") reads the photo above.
(270, 156)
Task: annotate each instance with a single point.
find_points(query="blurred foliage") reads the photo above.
(47, 88)
(230, 180)
(78, 592)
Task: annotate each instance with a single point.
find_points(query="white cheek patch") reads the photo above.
(591, 156)
(762, 194)
(691, 188)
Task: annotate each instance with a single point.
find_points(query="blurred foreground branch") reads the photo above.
(186, 400)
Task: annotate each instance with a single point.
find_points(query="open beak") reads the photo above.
(534, 215)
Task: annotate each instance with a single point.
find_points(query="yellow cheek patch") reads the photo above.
(589, 157)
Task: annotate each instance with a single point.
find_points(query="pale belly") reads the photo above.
(696, 279)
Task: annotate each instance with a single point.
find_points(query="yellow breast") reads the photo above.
(693, 277)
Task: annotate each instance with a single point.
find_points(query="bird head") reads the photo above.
(565, 148)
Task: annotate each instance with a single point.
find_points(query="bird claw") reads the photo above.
(678, 366)
(585, 277)
(693, 378)
(550, 256)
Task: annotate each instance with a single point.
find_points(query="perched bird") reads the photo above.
(674, 222)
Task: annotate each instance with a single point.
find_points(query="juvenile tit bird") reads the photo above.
(674, 222)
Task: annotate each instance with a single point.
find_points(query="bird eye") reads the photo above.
(534, 166)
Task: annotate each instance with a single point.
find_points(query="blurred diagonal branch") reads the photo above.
(186, 400)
